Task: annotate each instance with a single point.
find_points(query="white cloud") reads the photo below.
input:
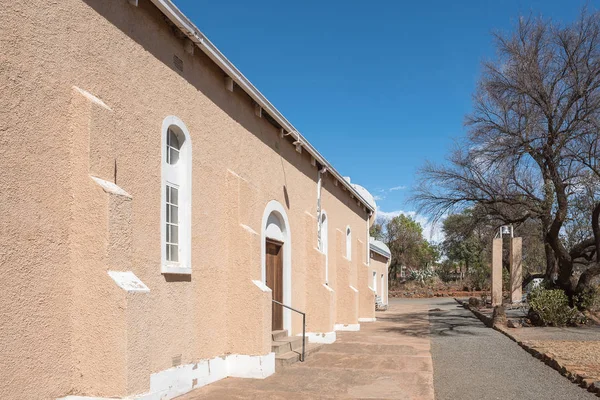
(401, 187)
(430, 232)
(377, 197)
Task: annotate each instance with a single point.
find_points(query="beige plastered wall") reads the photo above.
(65, 326)
(379, 265)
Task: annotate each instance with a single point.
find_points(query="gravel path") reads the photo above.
(471, 361)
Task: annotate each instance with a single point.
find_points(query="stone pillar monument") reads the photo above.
(516, 273)
(497, 271)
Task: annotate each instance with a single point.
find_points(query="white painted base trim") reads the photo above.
(173, 382)
(367, 319)
(347, 327)
(317, 337)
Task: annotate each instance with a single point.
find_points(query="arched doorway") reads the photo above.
(276, 257)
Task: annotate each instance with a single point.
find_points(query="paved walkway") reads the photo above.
(471, 361)
(411, 349)
(387, 359)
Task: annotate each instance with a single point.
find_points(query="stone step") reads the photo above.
(311, 348)
(285, 359)
(278, 334)
(291, 357)
(285, 344)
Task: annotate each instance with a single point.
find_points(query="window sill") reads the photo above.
(170, 269)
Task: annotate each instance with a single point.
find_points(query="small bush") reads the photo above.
(474, 302)
(552, 307)
(589, 299)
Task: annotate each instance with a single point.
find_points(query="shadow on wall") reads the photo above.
(177, 278)
(286, 197)
(141, 23)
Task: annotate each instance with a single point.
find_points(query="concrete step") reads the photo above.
(285, 344)
(278, 334)
(285, 359)
(311, 348)
(290, 357)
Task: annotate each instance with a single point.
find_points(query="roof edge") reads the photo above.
(380, 251)
(379, 247)
(168, 8)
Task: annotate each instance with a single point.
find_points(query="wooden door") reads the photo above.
(274, 264)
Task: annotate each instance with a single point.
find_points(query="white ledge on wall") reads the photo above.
(110, 187)
(92, 98)
(128, 281)
(347, 327)
(353, 288)
(261, 285)
(328, 287)
(170, 269)
(246, 227)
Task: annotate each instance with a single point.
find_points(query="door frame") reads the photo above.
(275, 208)
(281, 249)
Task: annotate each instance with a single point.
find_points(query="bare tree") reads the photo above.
(535, 110)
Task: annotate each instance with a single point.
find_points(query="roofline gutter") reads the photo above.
(193, 33)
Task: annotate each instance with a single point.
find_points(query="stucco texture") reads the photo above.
(65, 326)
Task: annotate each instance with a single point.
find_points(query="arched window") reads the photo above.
(323, 242)
(176, 189)
(375, 281)
(348, 243)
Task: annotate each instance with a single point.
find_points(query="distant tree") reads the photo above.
(463, 242)
(376, 231)
(404, 237)
(468, 237)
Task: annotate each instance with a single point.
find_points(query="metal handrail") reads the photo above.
(303, 325)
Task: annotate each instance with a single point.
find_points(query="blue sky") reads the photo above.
(377, 87)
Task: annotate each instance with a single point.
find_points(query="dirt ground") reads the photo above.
(435, 288)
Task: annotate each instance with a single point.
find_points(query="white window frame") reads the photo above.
(375, 281)
(179, 176)
(324, 241)
(348, 243)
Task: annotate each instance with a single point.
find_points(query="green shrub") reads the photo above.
(552, 306)
(589, 299)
